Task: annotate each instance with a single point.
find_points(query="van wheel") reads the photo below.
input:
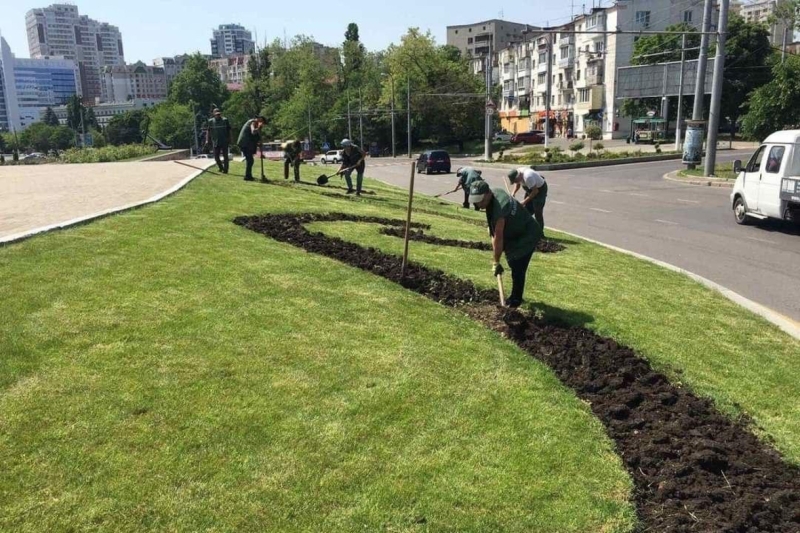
(740, 213)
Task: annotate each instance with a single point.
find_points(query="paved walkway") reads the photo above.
(33, 196)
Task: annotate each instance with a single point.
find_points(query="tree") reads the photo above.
(747, 51)
(126, 128)
(776, 105)
(50, 117)
(172, 124)
(354, 53)
(2, 143)
(652, 49)
(37, 137)
(74, 111)
(198, 85)
(61, 138)
(90, 119)
(787, 13)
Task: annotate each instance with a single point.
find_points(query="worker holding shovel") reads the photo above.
(352, 159)
(513, 231)
(535, 191)
(248, 141)
(466, 177)
(292, 156)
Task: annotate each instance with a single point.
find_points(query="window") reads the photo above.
(775, 159)
(456, 32)
(469, 40)
(643, 18)
(755, 161)
(541, 78)
(577, 75)
(542, 58)
(583, 95)
(687, 16)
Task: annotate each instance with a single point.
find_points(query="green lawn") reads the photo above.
(722, 171)
(166, 369)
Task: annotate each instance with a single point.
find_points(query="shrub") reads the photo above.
(107, 154)
(577, 146)
(599, 146)
(594, 132)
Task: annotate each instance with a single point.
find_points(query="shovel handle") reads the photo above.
(500, 289)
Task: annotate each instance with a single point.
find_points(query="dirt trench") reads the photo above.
(694, 469)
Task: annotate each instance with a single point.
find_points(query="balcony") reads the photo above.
(567, 40)
(541, 42)
(566, 62)
(523, 91)
(566, 86)
(542, 67)
(594, 57)
(594, 79)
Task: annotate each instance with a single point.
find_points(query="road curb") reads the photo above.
(673, 176)
(786, 324)
(17, 237)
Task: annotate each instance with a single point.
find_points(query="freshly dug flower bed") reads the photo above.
(693, 468)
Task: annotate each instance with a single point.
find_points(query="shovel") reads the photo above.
(323, 179)
(500, 289)
(444, 193)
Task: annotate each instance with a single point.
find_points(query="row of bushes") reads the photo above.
(557, 155)
(106, 154)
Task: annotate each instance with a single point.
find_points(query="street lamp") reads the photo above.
(391, 81)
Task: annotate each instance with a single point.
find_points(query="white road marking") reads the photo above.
(688, 201)
(638, 194)
(606, 191)
(599, 210)
(557, 202)
(667, 222)
(761, 240)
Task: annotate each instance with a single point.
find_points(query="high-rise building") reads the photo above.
(133, 82)
(761, 12)
(231, 40)
(60, 30)
(29, 85)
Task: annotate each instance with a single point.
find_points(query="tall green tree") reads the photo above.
(50, 117)
(354, 54)
(74, 112)
(652, 49)
(172, 124)
(127, 128)
(37, 137)
(61, 138)
(90, 119)
(198, 85)
(776, 105)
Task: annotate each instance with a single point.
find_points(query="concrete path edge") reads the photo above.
(673, 176)
(786, 324)
(17, 237)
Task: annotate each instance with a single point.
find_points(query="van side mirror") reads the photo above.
(737, 166)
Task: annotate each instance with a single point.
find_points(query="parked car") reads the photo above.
(434, 161)
(769, 186)
(528, 137)
(332, 156)
(503, 136)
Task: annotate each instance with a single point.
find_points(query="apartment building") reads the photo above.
(582, 67)
(476, 40)
(60, 30)
(231, 40)
(761, 12)
(172, 66)
(232, 70)
(133, 82)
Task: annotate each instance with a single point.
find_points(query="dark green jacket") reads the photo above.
(522, 233)
(247, 139)
(219, 131)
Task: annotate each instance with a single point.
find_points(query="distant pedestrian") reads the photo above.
(219, 135)
(292, 157)
(353, 158)
(248, 142)
(535, 188)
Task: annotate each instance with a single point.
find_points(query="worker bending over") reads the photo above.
(535, 191)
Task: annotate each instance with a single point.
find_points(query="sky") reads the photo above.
(156, 28)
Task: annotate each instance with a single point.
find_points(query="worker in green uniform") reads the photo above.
(513, 231)
(218, 135)
(466, 177)
(292, 157)
(352, 159)
(248, 142)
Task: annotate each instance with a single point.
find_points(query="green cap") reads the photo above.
(478, 191)
(512, 175)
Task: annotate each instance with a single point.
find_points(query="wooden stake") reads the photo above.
(502, 292)
(408, 220)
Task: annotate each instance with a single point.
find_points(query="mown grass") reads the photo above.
(722, 171)
(166, 369)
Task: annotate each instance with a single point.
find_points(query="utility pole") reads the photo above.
(408, 109)
(487, 144)
(309, 125)
(700, 85)
(716, 91)
(394, 154)
(549, 90)
(680, 96)
(360, 119)
(349, 121)
(783, 50)
(194, 127)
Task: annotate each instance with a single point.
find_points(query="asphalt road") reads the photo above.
(633, 207)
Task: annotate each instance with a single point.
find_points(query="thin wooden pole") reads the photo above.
(408, 219)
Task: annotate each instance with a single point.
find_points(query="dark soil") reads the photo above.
(544, 246)
(693, 468)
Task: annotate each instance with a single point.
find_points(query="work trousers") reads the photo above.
(536, 206)
(248, 153)
(359, 180)
(519, 270)
(291, 163)
(221, 157)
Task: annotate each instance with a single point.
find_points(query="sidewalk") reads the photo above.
(34, 196)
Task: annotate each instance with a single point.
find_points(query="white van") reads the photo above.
(769, 186)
